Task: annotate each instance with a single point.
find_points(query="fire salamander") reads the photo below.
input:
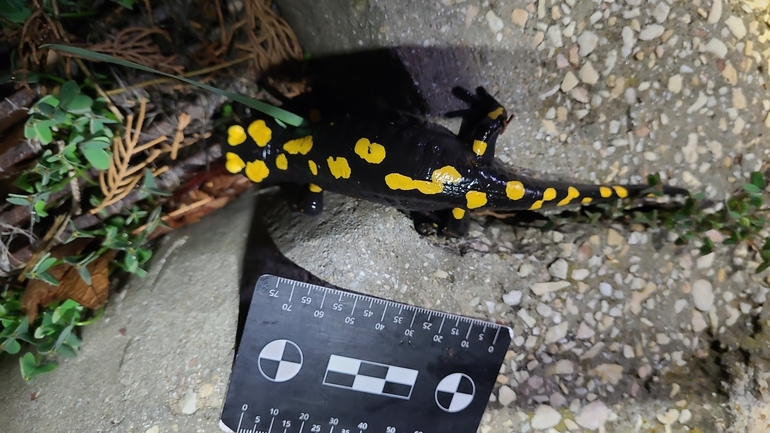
(412, 165)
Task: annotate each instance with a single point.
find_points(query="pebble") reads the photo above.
(593, 415)
(736, 26)
(519, 17)
(584, 331)
(513, 297)
(549, 287)
(587, 42)
(153, 429)
(190, 403)
(685, 416)
(561, 367)
(717, 47)
(545, 417)
(675, 83)
(206, 390)
(556, 333)
(661, 11)
(525, 270)
(715, 13)
(614, 238)
(651, 32)
(440, 274)
(506, 395)
(698, 321)
(580, 274)
(703, 295)
(554, 36)
(705, 262)
(605, 289)
(557, 400)
(669, 417)
(588, 74)
(608, 373)
(569, 82)
(767, 120)
(559, 269)
(494, 22)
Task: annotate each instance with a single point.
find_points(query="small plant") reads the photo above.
(77, 124)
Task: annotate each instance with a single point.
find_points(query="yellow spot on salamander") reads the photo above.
(313, 167)
(622, 192)
(458, 213)
(548, 195)
(586, 200)
(446, 174)
(234, 163)
(372, 153)
(315, 188)
(396, 181)
(494, 114)
(475, 199)
(339, 167)
(257, 170)
(514, 190)
(605, 192)
(572, 192)
(479, 147)
(315, 115)
(260, 133)
(235, 135)
(281, 162)
(300, 145)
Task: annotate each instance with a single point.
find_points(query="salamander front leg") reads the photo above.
(482, 123)
(305, 199)
(448, 222)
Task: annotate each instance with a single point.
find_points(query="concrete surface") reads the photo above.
(617, 329)
(161, 356)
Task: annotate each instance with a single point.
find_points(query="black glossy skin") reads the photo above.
(415, 150)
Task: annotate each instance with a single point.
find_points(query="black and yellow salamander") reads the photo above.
(412, 165)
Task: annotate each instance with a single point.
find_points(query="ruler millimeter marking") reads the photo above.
(320, 360)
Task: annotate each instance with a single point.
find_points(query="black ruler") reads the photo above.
(319, 360)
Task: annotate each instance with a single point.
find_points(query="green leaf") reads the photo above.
(14, 11)
(757, 179)
(46, 109)
(128, 4)
(278, 113)
(132, 263)
(68, 91)
(45, 264)
(12, 346)
(96, 155)
(60, 116)
(96, 125)
(42, 132)
(40, 208)
(143, 255)
(85, 274)
(28, 364)
(48, 278)
(18, 200)
(80, 104)
(751, 188)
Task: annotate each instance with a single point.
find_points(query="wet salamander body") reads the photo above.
(410, 164)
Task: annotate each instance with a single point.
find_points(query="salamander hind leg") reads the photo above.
(305, 199)
(482, 123)
(447, 222)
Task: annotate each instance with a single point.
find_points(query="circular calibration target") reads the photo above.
(280, 360)
(455, 392)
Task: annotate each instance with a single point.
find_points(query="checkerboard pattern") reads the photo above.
(370, 377)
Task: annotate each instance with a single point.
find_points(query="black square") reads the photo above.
(341, 379)
(398, 389)
(373, 370)
(465, 386)
(269, 367)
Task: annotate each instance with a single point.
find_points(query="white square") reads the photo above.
(400, 375)
(342, 364)
(372, 385)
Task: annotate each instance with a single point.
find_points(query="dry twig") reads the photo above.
(134, 45)
(270, 39)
